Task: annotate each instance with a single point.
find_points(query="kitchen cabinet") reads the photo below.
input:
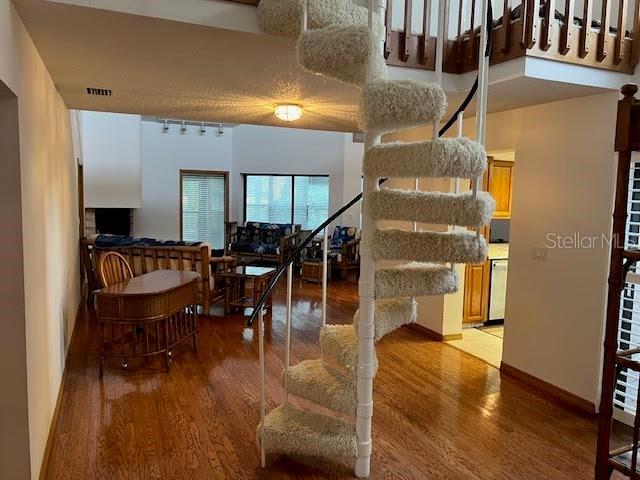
(500, 185)
(476, 293)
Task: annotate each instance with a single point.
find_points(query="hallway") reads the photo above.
(440, 414)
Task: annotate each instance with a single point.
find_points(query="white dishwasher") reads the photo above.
(497, 289)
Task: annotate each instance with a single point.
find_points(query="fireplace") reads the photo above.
(115, 221)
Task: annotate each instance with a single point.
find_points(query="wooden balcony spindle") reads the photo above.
(531, 23)
(621, 31)
(507, 26)
(635, 35)
(585, 31)
(426, 32)
(389, 24)
(462, 10)
(406, 36)
(547, 25)
(566, 30)
(605, 22)
(472, 33)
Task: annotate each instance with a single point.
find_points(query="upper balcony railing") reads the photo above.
(608, 39)
(599, 33)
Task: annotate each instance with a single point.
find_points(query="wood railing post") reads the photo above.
(388, 24)
(605, 21)
(547, 25)
(506, 25)
(566, 30)
(531, 22)
(406, 36)
(621, 31)
(616, 280)
(585, 31)
(426, 32)
(635, 42)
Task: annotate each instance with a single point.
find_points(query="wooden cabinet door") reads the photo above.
(500, 185)
(476, 293)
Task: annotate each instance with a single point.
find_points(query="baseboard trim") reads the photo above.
(549, 391)
(433, 335)
(56, 410)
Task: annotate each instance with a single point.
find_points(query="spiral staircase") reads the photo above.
(343, 41)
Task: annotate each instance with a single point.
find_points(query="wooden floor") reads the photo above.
(439, 413)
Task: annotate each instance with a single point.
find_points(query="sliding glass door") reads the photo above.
(297, 199)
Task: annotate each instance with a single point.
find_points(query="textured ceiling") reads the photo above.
(165, 68)
(179, 70)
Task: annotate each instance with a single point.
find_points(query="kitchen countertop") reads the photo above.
(498, 251)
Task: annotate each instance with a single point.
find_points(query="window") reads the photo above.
(203, 206)
(629, 327)
(297, 199)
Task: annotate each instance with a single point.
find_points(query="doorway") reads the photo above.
(485, 285)
(14, 436)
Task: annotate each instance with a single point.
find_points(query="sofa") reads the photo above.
(261, 242)
(147, 255)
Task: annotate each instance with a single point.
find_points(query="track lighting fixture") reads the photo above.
(203, 129)
(183, 129)
(165, 126)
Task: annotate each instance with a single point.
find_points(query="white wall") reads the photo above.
(259, 149)
(113, 174)
(563, 183)
(163, 156)
(48, 187)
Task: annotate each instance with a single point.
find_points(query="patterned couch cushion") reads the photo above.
(342, 235)
(260, 238)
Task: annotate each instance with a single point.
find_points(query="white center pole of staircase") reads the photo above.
(440, 41)
(304, 16)
(325, 273)
(483, 80)
(287, 341)
(459, 124)
(366, 326)
(263, 461)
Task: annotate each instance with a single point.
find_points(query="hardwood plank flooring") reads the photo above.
(439, 413)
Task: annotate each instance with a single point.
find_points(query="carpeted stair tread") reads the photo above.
(432, 207)
(392, 105)
(340, 342)
(440, 247)
(314, 381)
(292, 431)
(441, 158)
(282, 17)
(415, 280)
(345, 53)
(390, 315)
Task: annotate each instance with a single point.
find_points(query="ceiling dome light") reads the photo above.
(289, 112)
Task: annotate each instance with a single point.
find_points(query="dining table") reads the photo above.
(147, 315)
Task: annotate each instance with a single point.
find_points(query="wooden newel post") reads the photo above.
(624, 145)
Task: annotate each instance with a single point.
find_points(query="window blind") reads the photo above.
(629, 320)
(203, 206)
(295, 199)
(311, 201)
(268, 198)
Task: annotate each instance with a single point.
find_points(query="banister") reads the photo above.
(283, 267)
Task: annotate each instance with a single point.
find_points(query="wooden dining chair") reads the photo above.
(113, 269)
